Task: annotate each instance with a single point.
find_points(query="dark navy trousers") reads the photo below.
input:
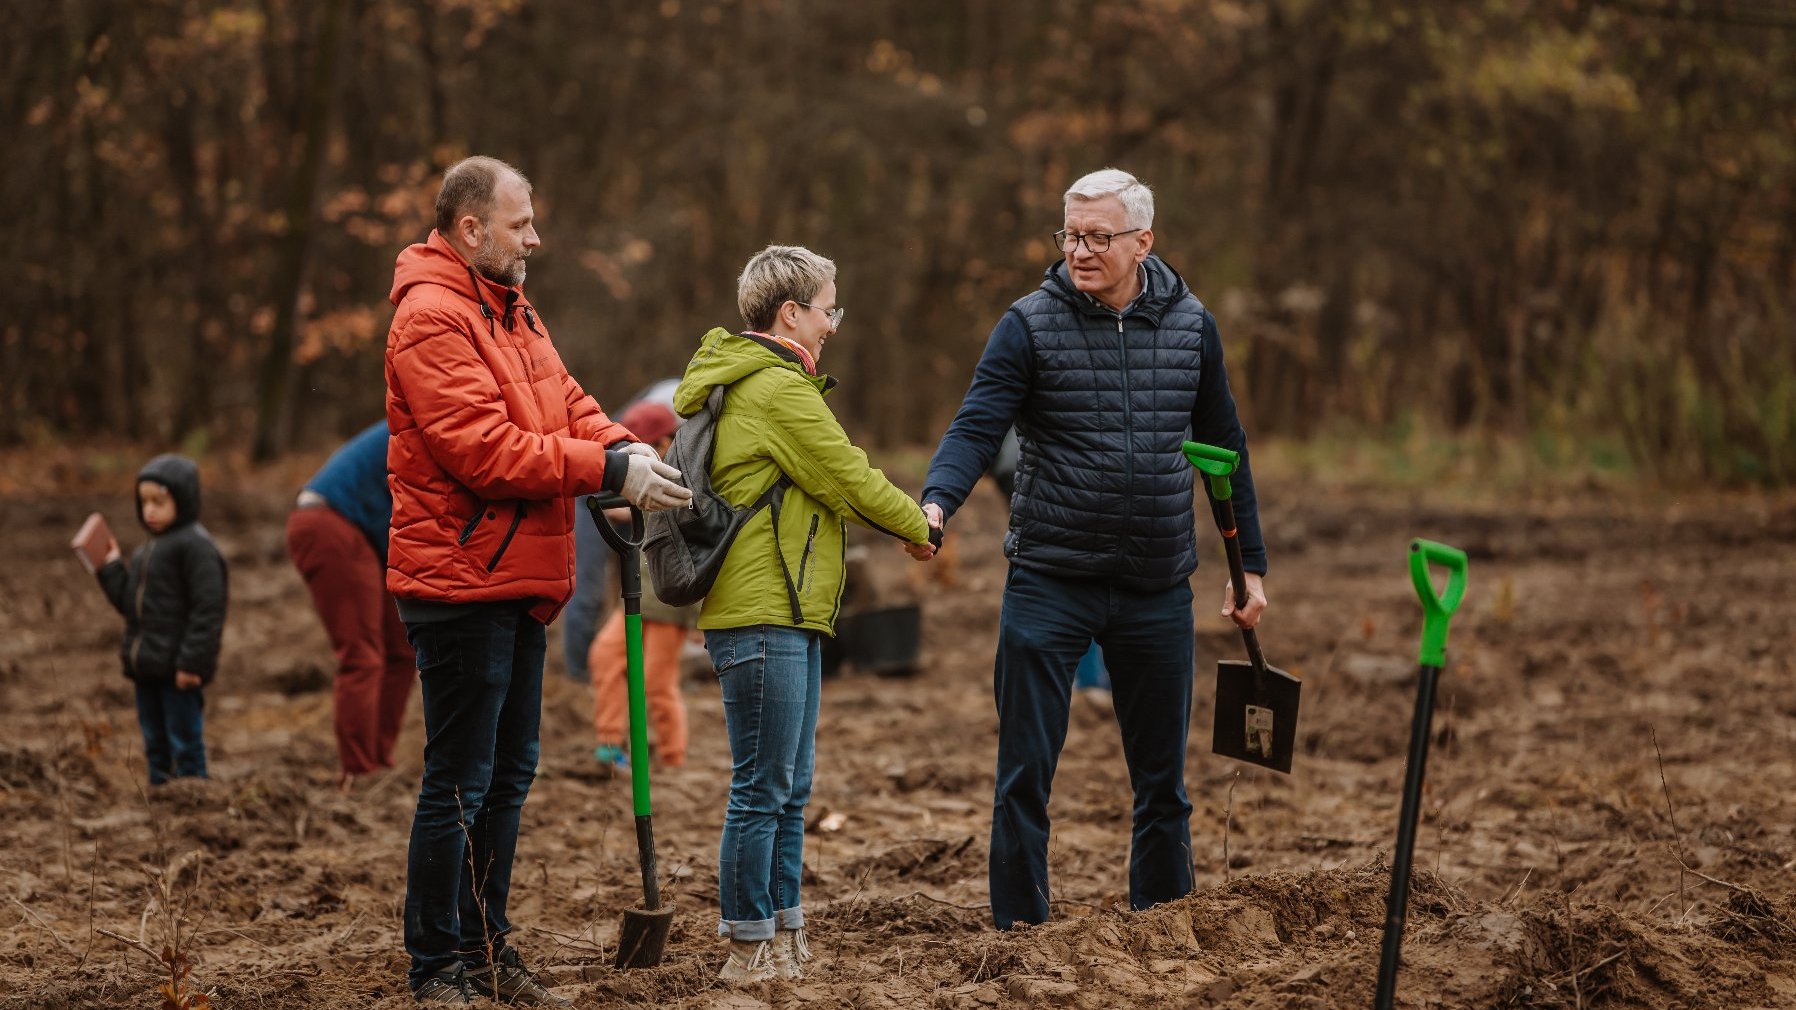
(482, 678)
(1046, 626)
(173, 724)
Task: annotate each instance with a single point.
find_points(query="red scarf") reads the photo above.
(804, 356)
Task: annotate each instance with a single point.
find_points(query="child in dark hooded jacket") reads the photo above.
(172, 595)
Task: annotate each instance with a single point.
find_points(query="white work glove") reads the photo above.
(651, 485)
(639, 449)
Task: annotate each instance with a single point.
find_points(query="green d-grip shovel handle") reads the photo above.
(1217, 465)
(1437, 610)
(629, 554)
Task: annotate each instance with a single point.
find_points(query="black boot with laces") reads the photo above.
(447, 986)
(506, 980)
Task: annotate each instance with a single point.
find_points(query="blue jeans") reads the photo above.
(173, 724)
(772, 679)
(482, 678)
(592, 580)
(1045, 626)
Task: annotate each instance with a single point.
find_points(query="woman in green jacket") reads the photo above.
(780, 587)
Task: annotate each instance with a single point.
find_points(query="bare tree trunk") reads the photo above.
(194, 407)
(272, 419)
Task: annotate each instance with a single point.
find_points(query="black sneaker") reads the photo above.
(508, 981)
(447, 986)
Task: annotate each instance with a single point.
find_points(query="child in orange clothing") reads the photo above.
(664, 629)
(661, 641)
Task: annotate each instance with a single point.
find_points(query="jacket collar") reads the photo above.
(1161, 286)
(435, 261)
(786, 348)
(783, 350)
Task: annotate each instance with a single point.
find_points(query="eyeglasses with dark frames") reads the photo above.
(1096, 241)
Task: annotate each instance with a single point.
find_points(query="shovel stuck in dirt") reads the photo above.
(643, 938)
(1437, 612)
(1256, 704)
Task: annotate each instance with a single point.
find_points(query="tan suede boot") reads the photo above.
(790, 952)
(749, 961)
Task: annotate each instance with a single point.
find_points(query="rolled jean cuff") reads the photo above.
(789, 918)
(748, 930)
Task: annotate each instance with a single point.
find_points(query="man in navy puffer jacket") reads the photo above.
(1105, 370)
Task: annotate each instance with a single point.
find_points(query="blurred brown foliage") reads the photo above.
(1502, 215)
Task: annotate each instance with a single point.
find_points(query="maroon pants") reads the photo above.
(375, 668)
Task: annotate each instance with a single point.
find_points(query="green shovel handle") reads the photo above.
(1216, 464)
(1437, 610)
(629, 555)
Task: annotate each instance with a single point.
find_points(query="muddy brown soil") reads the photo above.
(1608, 820)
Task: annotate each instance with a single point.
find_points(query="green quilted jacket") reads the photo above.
(774, 420)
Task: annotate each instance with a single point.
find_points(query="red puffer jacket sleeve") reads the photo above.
(587, 421)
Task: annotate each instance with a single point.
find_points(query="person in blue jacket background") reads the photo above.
(337, 537)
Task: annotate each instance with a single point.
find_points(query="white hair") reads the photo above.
(1137, 199)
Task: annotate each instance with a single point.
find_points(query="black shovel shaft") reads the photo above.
(625, 544)
(645, 850)
(1231, 544)
(1397, 904)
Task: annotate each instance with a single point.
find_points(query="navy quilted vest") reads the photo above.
(1103, 489)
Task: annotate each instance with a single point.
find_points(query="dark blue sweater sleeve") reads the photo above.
(1214, 421)
(354, 481)
(1000, 382)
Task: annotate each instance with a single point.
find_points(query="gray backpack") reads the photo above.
(686, 547)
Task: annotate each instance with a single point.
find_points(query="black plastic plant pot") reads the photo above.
(886, 641)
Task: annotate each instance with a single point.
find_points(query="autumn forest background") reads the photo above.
(1514, 275)
(1564, 224)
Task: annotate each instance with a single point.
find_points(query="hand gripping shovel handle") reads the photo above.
(628, 548)
(1218, 465)
(1437, 612)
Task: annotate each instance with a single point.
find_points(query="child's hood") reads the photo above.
(182, 478)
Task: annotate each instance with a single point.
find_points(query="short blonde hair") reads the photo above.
(776, 275)
(1137, 199)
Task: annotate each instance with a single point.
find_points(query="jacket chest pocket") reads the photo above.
(540, 371)
(805, 568)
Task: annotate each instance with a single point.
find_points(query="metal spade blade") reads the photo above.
(1256, 714)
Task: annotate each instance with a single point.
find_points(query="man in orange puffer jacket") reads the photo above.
(491, 439)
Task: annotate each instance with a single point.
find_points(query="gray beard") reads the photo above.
(486, 262)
